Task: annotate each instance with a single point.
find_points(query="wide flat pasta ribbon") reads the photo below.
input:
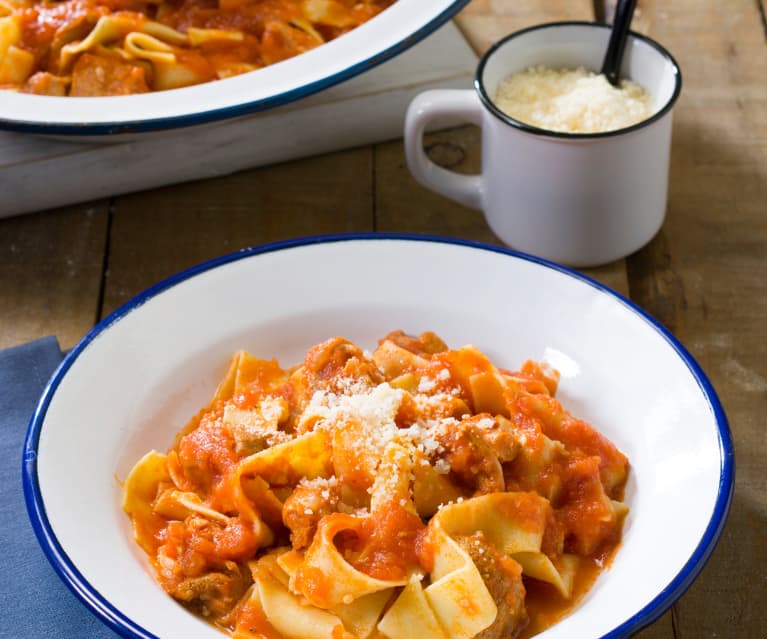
(457, 594)
(145, 47)
(514, 523)
(325, 578)
(411, 610)
(115, 27)
(139, 492)
(359, 617)
(176, 504)
(392, 481)
(307, 456)
(248, 487)
(285, 612)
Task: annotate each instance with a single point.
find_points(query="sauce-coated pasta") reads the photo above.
(121, 47)
(360, 495)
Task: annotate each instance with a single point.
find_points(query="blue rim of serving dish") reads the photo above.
(223, 113)
(126, 627)
(479, 84)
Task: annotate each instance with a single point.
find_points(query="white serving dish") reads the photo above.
(391, 32)
(137, 377)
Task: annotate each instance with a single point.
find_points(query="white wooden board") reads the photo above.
(37, 173)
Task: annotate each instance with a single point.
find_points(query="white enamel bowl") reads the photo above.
(391, 32)
(141, 373)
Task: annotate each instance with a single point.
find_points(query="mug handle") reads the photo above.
(425, 107)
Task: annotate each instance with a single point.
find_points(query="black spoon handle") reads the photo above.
(611, 65)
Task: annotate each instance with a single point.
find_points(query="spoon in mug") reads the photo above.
(611, 65)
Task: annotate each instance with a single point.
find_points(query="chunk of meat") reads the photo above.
(213, 594)
(503, 578)
(307, 504)
(472, 458)
(188, 571)
(333, 366)
(96, 75)
(44, 83)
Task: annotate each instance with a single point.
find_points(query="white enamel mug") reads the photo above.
(579, 199)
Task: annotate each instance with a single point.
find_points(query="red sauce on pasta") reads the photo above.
(252, 619)
(91, 48)
(414, 478)
(207, 453)
(388, 547)
(545, 606)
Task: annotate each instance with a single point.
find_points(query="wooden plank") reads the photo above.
(405, 206)
(50, 273)
(160, 232)
(483, 22)
(604, 10)
(368, 108)
(663, 628)
(704, 276)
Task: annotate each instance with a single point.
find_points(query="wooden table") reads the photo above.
(704, 275)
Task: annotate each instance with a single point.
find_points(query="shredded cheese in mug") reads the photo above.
(572, 100)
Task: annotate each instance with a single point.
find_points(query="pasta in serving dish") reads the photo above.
(359, 495)
(122, 47)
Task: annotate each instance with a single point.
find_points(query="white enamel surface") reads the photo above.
(355, 50)
(581, 202)
(136, 384)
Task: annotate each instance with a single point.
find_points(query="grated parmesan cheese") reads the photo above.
(442, 466)
(375, 409)
(426, 384)
(486, 422)
(572, 100)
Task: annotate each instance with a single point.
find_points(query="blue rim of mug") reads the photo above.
(479, 85)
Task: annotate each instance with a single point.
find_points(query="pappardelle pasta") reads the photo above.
(361, 495)
(121, 47)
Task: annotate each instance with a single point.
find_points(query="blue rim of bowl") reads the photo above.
(224, 113)
(479, 85)
(126, 627)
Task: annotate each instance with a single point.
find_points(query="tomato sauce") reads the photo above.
(207, 453)
(558, 480)
(251, 619)
(262, 32)
(545, 606)
(388, 544)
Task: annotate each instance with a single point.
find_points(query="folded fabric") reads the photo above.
(34, 602)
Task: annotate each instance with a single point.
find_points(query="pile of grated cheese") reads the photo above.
(572, 100)
(375, 409)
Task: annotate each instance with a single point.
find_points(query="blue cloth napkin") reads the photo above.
(34, 602)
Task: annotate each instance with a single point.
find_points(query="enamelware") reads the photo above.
(142, 372)
(393, 31)
(581, 199)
